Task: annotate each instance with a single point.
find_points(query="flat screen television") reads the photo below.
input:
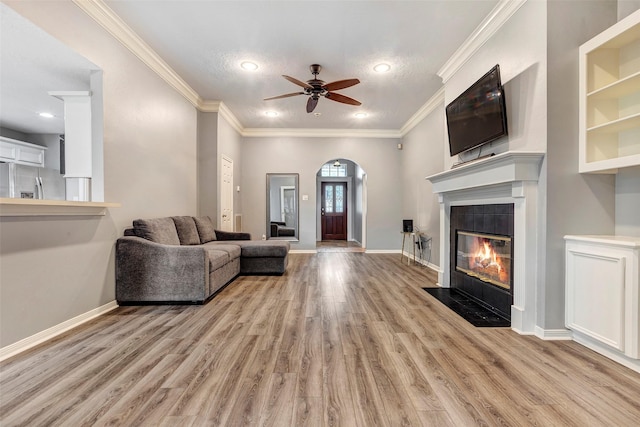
(478, 115)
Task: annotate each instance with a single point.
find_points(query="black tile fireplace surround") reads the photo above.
(494, 219)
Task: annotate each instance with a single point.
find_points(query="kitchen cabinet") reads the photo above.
(22, 153)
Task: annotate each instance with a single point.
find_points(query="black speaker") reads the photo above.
(407, 225)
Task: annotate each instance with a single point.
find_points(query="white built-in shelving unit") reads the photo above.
(610, 98)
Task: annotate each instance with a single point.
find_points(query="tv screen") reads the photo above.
(478, 115)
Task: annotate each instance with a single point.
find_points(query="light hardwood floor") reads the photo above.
(341, 339)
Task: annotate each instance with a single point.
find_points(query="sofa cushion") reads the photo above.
(231, 249)
(217, 259)
(204, 225)
(263, 248)
(158, 230)
(187, 231)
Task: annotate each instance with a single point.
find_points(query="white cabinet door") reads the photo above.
(602, 300)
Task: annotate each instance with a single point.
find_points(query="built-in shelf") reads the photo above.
(610, 98)
(618, 88)
(37, 207)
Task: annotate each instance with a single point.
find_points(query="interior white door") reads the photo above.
(226, 194)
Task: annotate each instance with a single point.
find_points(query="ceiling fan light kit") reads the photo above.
(315, 88)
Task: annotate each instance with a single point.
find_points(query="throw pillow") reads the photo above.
(159, 230)
(186, 228)
(205, 228)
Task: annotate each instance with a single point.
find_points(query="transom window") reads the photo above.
(330, 170)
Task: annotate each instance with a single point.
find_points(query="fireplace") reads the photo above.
(511, 179)
(485, 257)
(482, 254)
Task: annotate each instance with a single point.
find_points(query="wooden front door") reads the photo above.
(334, 211)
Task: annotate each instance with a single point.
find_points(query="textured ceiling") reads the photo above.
(205, 41)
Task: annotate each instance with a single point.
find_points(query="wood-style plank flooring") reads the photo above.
(344, 339)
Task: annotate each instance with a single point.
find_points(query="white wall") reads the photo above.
(379, 158)
(422, 155)
(520, 48)
(55, 268)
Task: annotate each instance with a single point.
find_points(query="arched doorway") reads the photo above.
(341, 208)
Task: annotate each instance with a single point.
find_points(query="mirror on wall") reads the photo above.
(282, 206)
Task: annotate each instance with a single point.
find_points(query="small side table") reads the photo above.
(413, 243)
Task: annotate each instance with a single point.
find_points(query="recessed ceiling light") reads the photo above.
(360, 115)
(382, 68)
(317, 114)
(249, 66)
(47, 115)
(271, 113)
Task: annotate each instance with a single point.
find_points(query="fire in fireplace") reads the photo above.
(485, 257)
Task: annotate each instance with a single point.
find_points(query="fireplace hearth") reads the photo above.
(482, 254)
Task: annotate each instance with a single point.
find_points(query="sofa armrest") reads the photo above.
(149, 271)
(232, 235)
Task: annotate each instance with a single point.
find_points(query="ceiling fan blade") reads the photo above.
(284, 96)
(298, 82)
(341, 98)
(311, 104)
(341, 84)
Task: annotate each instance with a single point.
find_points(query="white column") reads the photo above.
(78, 141)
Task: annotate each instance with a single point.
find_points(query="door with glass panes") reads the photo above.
(334, 211)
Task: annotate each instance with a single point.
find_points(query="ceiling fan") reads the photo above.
(316, 88)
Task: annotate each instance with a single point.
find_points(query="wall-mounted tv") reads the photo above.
(478, 115)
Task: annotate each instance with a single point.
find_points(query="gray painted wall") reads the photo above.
(576, 203)
(230, 145)
(379, 158)
(628, 180)
(208, 164)
(422, 154)
(628, 202)
(53, 269)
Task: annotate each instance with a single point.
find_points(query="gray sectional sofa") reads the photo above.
(183, 259)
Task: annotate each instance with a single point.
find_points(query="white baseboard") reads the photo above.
(303, 251)
(606, 351)
(47, 334)
(553, 334)
(382, 251)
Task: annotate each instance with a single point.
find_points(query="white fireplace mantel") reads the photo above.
(510, 177)
(508, 167)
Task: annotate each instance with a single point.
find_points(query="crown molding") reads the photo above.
(224, 111)
(487, 28)
(434, 102)
(209, 106)
(228, 115)
(111, 22)
(115, 26)
(321, 133)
